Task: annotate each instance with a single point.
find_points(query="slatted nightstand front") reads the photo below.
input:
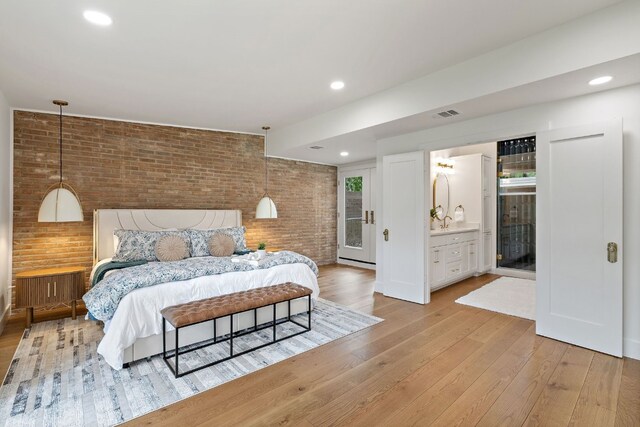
(48, 287)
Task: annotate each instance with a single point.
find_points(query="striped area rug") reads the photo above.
(57, 378)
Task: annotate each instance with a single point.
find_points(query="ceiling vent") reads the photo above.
(447, 114)
(316, 147)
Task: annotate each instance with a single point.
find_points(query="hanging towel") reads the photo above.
(458, 215)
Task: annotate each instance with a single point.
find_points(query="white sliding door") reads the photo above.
(579, 236)
(404, 222)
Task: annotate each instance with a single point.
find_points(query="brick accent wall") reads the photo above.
(113, 164)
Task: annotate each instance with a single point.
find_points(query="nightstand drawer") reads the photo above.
(48, 287)
(37, 291)
(34, 292)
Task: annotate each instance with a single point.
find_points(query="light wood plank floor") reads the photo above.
(441, 364)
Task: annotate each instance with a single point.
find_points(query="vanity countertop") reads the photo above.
(452, 230)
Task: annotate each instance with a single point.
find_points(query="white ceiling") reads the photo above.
(239, 64)
(361, 144)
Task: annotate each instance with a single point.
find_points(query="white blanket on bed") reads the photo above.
(138, 314)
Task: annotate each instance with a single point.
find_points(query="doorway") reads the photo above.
(357, 216)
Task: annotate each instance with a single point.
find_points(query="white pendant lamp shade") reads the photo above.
(266, 208)
(60, 205)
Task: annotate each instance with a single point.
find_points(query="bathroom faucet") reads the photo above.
(444, 225)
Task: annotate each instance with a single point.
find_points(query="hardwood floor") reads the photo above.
(441, 364)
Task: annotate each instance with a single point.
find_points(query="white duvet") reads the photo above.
(138, 314)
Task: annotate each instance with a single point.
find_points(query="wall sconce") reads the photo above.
(444, 166)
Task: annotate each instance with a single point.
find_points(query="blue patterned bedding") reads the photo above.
(103, 299)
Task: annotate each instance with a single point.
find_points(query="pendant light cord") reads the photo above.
(60, 144)
(266, 161)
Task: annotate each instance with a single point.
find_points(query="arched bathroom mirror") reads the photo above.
(441, 195)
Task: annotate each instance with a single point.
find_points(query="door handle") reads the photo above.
(366, 217)
(612, 252)
(48, 290)
(386, 234)
(372, 221)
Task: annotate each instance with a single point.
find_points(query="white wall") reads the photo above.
(465, 187)
(471, 202)
(488, 149)
(5, 210)
(622, 102)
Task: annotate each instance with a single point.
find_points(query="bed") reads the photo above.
(134, 330)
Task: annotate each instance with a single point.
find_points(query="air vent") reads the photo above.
(447, 113)
(316, 147)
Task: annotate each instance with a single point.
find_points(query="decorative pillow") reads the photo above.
(138, 245)
(171, 247)
(200, 239)
(221, 245)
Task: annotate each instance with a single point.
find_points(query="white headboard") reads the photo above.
(105, 221)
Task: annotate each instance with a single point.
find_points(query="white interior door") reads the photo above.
(372, 215)
(404, 222)
(579, 286)
(355, 227)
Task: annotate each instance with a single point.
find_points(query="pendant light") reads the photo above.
(266, 209)
(61, 203)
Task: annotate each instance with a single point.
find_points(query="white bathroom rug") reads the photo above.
(507, 295)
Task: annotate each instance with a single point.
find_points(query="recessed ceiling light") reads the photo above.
(600, 80)
(337, 85)
(97, 18)
(344, 153)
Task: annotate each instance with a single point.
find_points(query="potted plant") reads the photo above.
(434, 216)
(262, 249)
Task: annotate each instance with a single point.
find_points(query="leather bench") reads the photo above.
(211, 309)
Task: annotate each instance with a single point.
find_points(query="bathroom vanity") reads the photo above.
(453, 255)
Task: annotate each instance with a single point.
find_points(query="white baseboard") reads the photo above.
(512, 272)
(5, 317)
(631, 348)
(357, 264)
(379, 287)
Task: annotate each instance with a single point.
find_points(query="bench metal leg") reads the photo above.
(309, 312)
(177, 347)
(274, 322)
(231, 335)
(215, 335)
(164, 338)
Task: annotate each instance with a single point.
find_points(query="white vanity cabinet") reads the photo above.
(437, 265)
(453, 256)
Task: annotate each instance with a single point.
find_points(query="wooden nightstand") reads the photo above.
(49, 286)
